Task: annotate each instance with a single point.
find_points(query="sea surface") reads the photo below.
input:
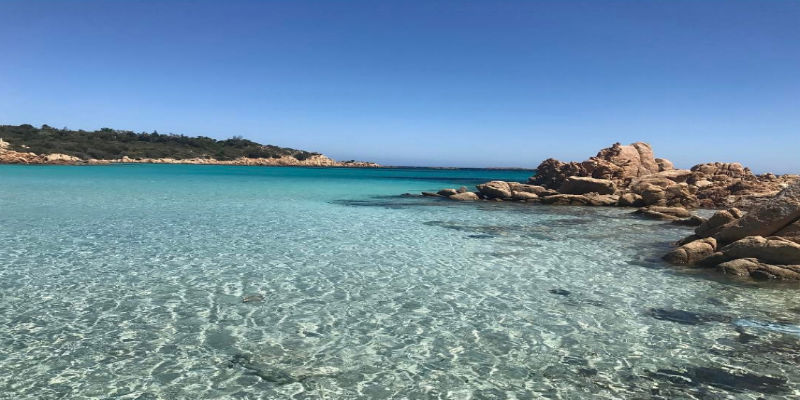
(127, 282)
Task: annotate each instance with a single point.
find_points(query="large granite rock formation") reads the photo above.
(634, 170)
(617, 163)
(761, 244)
(770, 218)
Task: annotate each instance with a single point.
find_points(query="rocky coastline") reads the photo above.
(9, 156)
(755, 234)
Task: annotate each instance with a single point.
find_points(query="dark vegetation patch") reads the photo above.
(686, 317)
(736, 381)
(106, 144)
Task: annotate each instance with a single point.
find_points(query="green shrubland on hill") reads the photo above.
(109, 144)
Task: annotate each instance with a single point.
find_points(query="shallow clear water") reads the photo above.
(127, 282)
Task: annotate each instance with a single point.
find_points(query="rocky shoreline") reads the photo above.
(8, 156)
(756, 233)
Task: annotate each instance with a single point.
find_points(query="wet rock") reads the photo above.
(663, 213)
(691, 253)
(630, 200)
(447, 192)
(253, 298)
(560, 292)
(466, 196)
(694, 220)
(771, 250)
(495, 189)
(752, 267)
(430, 194)
(580, 200)
(584, 185)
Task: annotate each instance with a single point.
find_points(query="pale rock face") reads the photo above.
(57, 157)
(703, 183)
(495, 189)
(664, 164)
(640, 184)
(524, 196)
(675, 175)
(535, 189)
(583, 185)
(466, 196)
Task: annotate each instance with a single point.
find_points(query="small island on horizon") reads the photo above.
(27, 144)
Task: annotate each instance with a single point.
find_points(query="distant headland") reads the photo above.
(26, 144)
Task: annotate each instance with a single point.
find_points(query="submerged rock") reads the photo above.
(733, 380)
(560, 292)
(253, 298)
(686, 317)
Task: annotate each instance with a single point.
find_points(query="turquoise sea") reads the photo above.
(126, 282)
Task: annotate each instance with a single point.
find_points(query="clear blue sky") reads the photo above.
(461, 83)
